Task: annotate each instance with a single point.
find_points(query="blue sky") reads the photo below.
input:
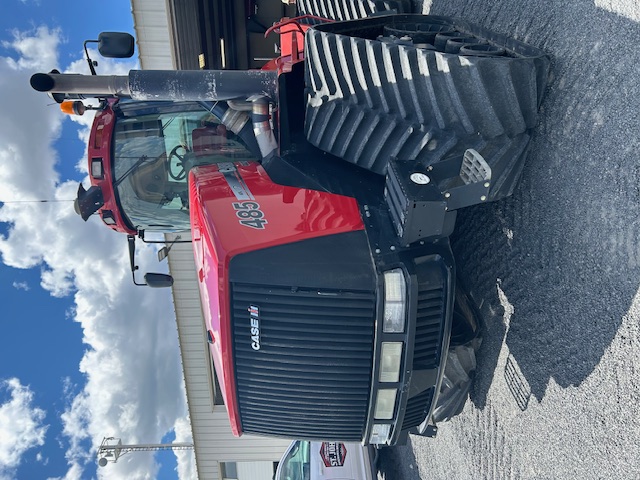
(83, 353)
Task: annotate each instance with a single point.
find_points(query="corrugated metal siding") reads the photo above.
(212, 435)
(155, 43)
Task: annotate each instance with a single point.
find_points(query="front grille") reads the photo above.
(311, 376)
(429, 324)
(430, 321)
(417, 409)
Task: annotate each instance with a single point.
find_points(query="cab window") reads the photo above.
(154, 147)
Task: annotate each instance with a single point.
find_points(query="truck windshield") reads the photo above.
(154, 146)
(295, 466)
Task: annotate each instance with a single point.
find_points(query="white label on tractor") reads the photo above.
(420, 178)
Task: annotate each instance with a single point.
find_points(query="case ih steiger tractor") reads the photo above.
(320, 194)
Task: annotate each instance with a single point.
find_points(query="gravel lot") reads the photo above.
(556, 267)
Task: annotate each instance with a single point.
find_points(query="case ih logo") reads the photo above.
(254, 314)
(333, 454)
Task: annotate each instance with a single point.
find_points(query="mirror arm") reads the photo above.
(141, 237)
(168, 242)
(153, 280)
(131, 239)
(89, 61)
(133, 276)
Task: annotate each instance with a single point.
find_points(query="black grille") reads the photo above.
(417, 409)
(429, 323)
(311, 376)
(397, 202)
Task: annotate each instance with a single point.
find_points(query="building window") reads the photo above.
(217, 391)
(229, 470)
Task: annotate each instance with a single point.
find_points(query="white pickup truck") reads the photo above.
(306, 460)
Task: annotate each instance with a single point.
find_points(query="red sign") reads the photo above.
(333, 454)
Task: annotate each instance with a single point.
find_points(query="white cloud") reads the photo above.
(74, 473)
(134, 387)
(21, 286)
(21, 426)
(186, 458)
(35, 49)
(27, 166)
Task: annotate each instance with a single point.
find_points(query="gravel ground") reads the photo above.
(556, 267)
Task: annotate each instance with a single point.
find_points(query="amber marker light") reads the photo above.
(73, 108)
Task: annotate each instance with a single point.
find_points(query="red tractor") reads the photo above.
(320, 196)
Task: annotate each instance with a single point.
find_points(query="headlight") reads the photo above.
(385, 403)
(380, 434)
(107, 217)
(96, 168)
(391, 358)
(395, 300)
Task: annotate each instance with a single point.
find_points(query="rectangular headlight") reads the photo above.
(380, 434)
(385, 403)
(390, 360)
(107, 217)
(96, 168)
(395, 300)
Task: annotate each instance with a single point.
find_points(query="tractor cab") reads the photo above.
(140, 154)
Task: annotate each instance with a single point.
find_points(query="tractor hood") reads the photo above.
(235, 209)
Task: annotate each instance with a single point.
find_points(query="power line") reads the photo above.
(36, 201)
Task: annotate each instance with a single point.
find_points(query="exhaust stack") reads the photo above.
(170, 85)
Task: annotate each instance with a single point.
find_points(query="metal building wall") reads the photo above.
(155, 44)
(255, 471)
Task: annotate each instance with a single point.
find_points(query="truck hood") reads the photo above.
(235, 209)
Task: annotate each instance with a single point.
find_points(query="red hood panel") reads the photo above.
(237, 209)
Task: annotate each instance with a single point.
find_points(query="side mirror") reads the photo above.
(116, 45)
(158, 280)
(153, 280)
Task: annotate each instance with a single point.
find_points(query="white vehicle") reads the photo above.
(306, 460)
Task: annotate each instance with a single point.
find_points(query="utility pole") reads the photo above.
(111, 449)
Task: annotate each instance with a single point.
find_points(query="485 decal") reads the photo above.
(249, 214)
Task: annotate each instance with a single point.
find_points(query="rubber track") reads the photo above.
(340, 10)
(369, 101)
